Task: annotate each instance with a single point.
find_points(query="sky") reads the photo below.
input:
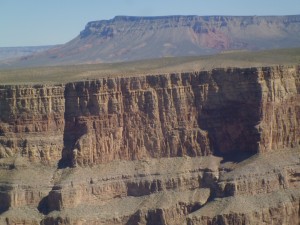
(48, 22)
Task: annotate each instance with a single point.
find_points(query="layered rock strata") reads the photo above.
(195, 114)
(263, 189)
(181, 190)
(32, 121)
(187, 148)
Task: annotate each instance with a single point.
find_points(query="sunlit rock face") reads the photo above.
(32, 121)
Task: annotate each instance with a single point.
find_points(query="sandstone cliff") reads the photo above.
(32, 121)
(209, 147)
(194, 114)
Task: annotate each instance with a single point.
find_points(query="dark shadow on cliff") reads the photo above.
(43, 206)
(134, 219)
(3, 208)
(235, 157)
(5, 199)
(62, 164)
(231, 111)
(51, 202)
(73, 129)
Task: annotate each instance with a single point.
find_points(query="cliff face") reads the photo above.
(280, 107)
(156, 149)
(32, 121)
(134, 118)
(193, 114)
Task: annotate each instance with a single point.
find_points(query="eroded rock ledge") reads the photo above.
(157, 149)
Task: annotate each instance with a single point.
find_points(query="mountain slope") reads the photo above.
(125, 38)
(7, 53)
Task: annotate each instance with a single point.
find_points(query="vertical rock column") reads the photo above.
(280, 110)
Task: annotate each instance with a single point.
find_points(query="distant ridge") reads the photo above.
(21, 51)
(128, 38)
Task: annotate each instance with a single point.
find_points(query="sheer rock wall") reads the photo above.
(32, 121)
(194, 114)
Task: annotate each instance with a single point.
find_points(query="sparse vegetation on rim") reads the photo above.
(62, 74)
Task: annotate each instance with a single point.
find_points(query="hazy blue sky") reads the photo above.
(42, 22)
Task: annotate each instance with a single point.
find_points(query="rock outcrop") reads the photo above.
(209, 147)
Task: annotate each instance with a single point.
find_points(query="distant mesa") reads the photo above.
(127, 38)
